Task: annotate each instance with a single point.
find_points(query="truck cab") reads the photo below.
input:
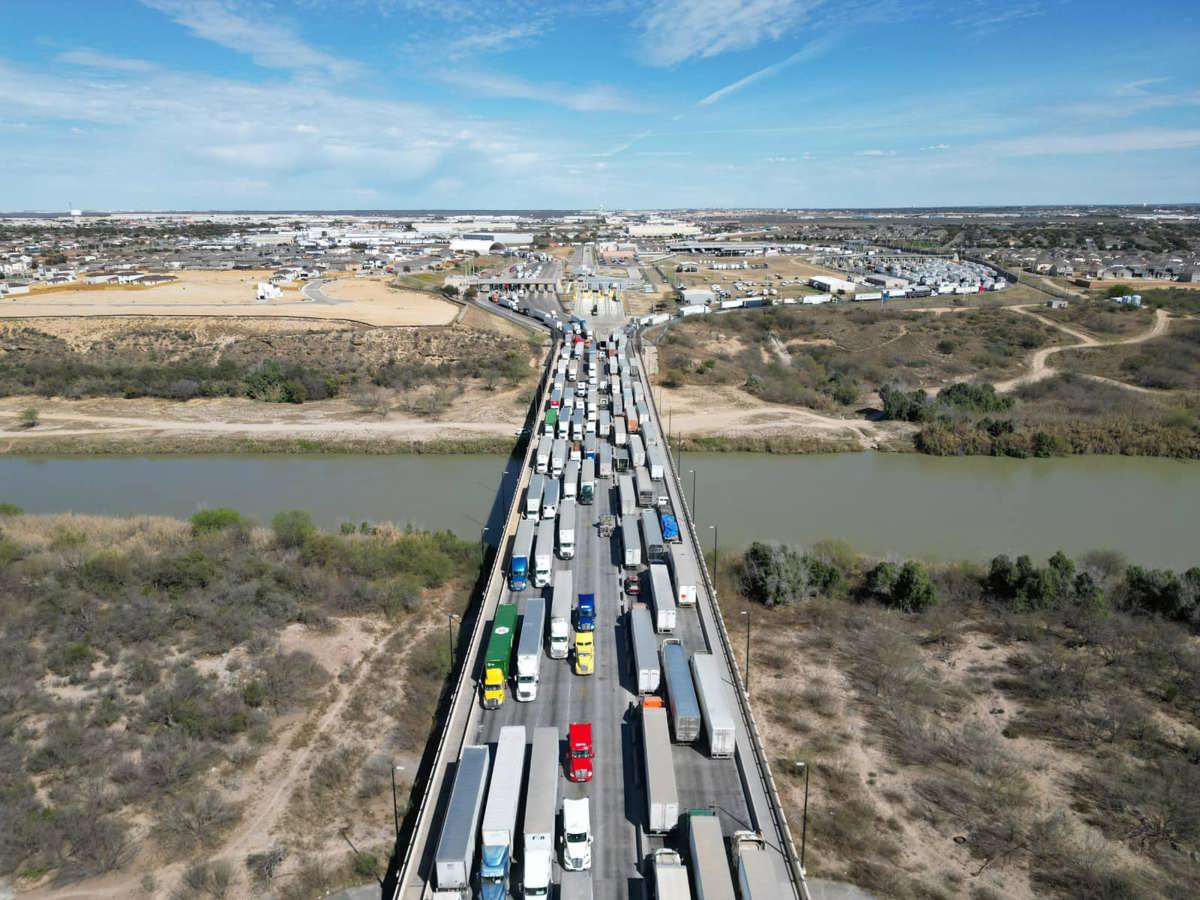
(585, 613)
(585, 653)
(579, 751)
(577, 835)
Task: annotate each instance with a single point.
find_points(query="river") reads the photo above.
(902, 504)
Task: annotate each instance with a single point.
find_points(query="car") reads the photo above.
(633, 585)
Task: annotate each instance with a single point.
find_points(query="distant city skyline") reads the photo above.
(409, 104)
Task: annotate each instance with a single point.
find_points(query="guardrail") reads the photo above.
(458, 720)
(791, 859)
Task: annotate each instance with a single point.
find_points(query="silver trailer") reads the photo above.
(566, 529)
(758, 876)
(498, 834)
(664, 598)
(620, 431)
(456, 847)
(533, 496)
(645, 650)
(605, 424)
(522, 549)
(647, 493)
(558, 457)
(542, 459)
(631, 543)
(716, 703)
(656, 548)
(529, 649)
(587, 482)
(662, 796)
(670, 876)
(637, 450)
(684, 573)
(605, 460)
(680, 692)
(656, 462)
(570, 480)
(628, 494)
(706, 846)
(560, 614)
(550, 497)
(541, 806)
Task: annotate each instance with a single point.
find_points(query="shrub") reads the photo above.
(902, 406)
(292, 528)
(194, 820)
(10, 509)
(217, 519)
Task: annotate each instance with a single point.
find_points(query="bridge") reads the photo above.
(740, 790)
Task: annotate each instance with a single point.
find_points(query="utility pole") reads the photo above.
(746, 613)
(450, 617)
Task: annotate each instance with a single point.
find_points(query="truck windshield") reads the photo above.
(526, 679)
(579, 837)
(580, 753)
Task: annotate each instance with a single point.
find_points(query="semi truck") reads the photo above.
(637, 450)
(656, 463)
(522, 553)
(631, 542)
(585, 613)
(541, 805)
(587, 482)
(550, 497)
(680, 692)
(497, 654)
(684, 573)
(543, 553)
(706, 846)
(541, 461)
(670, 528)
(560, 614)
(670, 876)
(529, 649)
(663, 595)
(605, 461)
(645, 649)
(558, 457)
(652, 537)
(647, 493)
(757, 875)
(455, 857)
(628, 495)
(498, 833)
(662, 796)
(585, 653)
(716, 705)
(577, 835)
(579, 751)
(533, 496)
(570, 481)
(566, 529)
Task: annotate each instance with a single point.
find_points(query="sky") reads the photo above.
(405, 104)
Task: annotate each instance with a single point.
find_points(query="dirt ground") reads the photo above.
(228, 293)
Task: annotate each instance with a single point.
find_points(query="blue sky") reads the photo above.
(175, 104)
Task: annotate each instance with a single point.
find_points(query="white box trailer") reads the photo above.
(606, 460)
(456, 847)
(637, 450)
(561, 603)
(566, 529)
(529, 649)
(558, 457)
(716, 703)
(706, 846)
(662, 796)
(620, 431)
(664, 598)
(656, 462)
(758, 876)
(587, 482)
(682, 704)
(631, 543)
(670, 876)
(499, 832)
(685, 574)
(628, 495)
(645, 649)
(533, 497)
(550, 498)
(541, 461)
(541, 807)
(647, 493)
(652, 539)
(570, 480)
(543, 553)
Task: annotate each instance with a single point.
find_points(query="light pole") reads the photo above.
(746, 613)
(716, 559)
(693, 471)
(804, 819)
(450, 617)
(504, 482)
(395, 802)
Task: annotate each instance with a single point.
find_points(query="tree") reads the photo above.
(913, 591)
(292, 527)
(30, 418)
(901, 406)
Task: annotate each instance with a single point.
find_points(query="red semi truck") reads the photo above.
(579, 752)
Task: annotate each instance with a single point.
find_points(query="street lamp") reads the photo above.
(395, 802)
(804, 819)
(693, 471)
(716, 559)
(504, 487)
(746, 613)
(450, 617)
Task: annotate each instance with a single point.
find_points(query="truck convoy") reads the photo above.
(681, 693)
(706, 846)
(497, 655)
(529, 649)
(541, 805)
(560, 614)
(522, 553)
(500, 814)
(577, 835)
(456, 848)
(579, 751)
(662, 797)
(715, 703)
(645, 649)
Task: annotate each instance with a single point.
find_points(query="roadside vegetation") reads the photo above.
(1167, 363)
(274, 366)
(208, 703)
(1018, 729)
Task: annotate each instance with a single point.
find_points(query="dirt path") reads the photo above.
(1038, 369)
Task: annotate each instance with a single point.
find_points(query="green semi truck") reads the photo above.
(497, 655)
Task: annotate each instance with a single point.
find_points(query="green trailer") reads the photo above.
(551, 420)
(497, 655)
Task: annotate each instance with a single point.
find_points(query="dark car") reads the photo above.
(633, 585)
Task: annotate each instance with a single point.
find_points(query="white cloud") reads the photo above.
(495, 39)
(1134, 140)
(269, 43)
(94, 59)
(875, 152)
(937, 147)
(677, 30)
(809, 51)
(589, 98)
(625, 145)
(987, 15)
